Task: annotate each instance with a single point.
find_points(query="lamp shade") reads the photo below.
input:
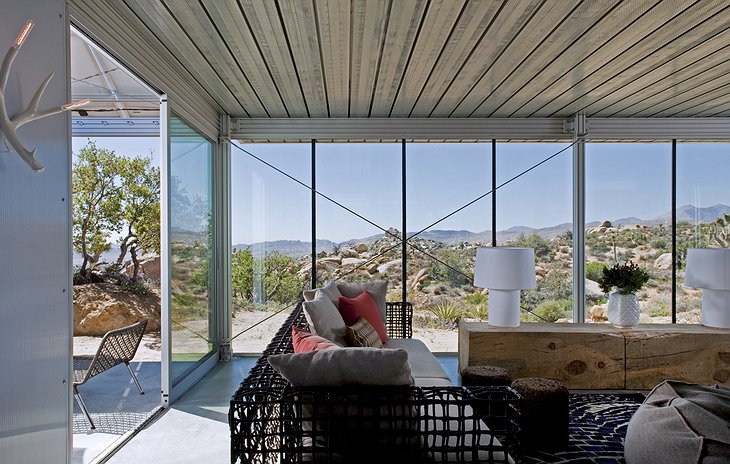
(505, 268)
(708, 268)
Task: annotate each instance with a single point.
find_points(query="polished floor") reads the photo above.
(195, 428)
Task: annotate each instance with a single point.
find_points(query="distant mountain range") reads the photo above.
(686, 213)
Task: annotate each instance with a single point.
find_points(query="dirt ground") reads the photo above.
(187, 339)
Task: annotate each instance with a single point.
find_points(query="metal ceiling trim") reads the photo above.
(637, 129)
(377, 129)
(115, 127)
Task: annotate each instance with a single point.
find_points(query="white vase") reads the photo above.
(623, 309)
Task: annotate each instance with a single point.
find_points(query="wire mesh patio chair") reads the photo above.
(118, 346)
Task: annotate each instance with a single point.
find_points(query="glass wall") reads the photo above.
(628, 218)
(191, 249)
(536, 210)
(703, 212)
(363, 241)
(271, 236)
(442, 178)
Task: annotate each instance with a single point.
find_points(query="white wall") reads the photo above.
(35, 281)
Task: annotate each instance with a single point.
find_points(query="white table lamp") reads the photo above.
(505, 271)
(709, 269)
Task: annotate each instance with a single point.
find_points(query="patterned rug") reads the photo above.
(597, 429)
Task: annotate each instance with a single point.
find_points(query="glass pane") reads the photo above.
(366, 179)
(628, 218)
(536, 211)
(703, 213)
(271, 236)
(441, 178)
(191, 248)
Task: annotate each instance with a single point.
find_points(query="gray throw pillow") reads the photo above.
(345, 366)
(680, 423)
(330, 290)
(324, 319)
(378, 289)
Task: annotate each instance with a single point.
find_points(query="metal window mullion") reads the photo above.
(494, 192)
(579, 219)
(674, 231)
(404, 234)
(313, 164)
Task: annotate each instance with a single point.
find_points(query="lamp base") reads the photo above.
(716, 308)
(504, 308)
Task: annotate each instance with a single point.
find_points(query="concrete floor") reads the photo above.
(195, 428)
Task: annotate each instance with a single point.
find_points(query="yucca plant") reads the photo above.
(446, 312)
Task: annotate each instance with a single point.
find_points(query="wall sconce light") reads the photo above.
(9, 126)
(504, 271)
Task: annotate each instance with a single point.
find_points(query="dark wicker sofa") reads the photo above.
(272, 421)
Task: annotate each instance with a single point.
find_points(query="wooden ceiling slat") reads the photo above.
(562, 58)
(405, 19)
(697, 98)
(539, 27)
(239, 38)
(646, 54)
(333, 18)
(697, 66)
(267, 32)
(173, 37)
(301, 29)
(248, 84)
(467, 35)
(369, 21)
(719, 110)
(438, 24)
(510, 20)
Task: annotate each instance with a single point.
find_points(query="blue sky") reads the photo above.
(622, 180)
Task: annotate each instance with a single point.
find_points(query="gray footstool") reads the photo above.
(544, 413)
(488, 376)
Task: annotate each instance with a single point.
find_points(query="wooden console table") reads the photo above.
(601, 356)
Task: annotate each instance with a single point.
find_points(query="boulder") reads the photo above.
(664, 261)
(361, 248)
(605, 225)
(384, 267)
(149, 266)
(352, 261)
(349, 253)
(599, 313)
(99, 308)
(593, 290)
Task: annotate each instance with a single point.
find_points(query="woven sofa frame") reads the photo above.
(271, 421)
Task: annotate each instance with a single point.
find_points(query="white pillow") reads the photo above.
(344, 366)
(378, 289)
(324, 319)
(330, 290)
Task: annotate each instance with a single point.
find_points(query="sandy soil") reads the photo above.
(253, 340)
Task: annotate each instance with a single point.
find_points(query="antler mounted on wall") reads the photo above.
(9, 126)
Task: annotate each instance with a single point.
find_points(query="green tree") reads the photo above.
(282, 284)
(242, 274)
(140, 209)
(96, 202)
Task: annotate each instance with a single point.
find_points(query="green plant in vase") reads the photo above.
(621, 282)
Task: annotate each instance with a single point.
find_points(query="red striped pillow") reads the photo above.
(305, 342)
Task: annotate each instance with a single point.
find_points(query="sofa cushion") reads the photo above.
(344, 366)
(363, 306)
(361, 333)
(324, 319)
(378, 289)
(423, 363)
(680, 422)
(330, 291)
(304, 342)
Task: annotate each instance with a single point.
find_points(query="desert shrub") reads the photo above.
(659, 311)
(480, 312)
(552, 310)
(446, 312)
(136, 287)
(476, 298)
(542, 246)
(594, 270)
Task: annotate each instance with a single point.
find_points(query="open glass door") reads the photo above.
(189, 344)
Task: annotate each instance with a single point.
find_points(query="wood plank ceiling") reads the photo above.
(450, 58)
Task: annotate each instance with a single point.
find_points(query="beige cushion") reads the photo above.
(378, 289)
(330, 290)
(361, 333)
(682, 423)
(324, 319)
(422, 362)
(344, 366)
